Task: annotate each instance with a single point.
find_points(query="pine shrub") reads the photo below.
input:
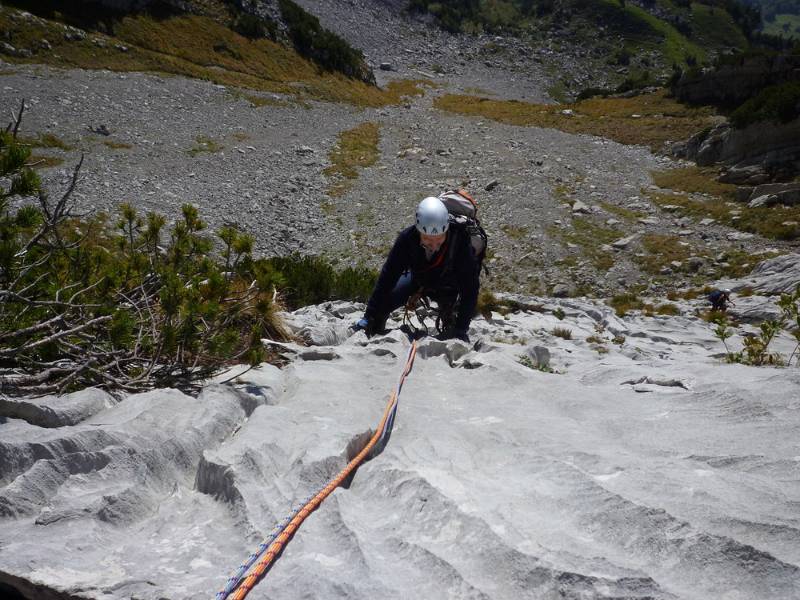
(323, 47)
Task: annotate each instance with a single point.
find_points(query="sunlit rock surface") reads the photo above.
(635, 464)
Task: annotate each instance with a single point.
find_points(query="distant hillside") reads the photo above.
(779, 17)
(280, 21)
(668, 32)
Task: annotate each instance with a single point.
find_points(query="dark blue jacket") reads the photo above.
(452, 270)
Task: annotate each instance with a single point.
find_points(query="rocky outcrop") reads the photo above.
(758, 152)
(753, 153)
(787, 194)
(778, 275)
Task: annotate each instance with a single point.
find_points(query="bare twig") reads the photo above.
(56, 336)
(17, 119)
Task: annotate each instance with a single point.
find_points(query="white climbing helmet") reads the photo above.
(432, 216)
(726, 291)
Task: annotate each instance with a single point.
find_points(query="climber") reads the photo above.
(433, 258)
(719, 299)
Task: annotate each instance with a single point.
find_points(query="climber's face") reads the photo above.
(432, 243)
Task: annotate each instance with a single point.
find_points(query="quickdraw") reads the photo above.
(240, 585)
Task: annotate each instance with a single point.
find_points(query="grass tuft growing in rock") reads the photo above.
(668, 309)
(562, 332)
(622, 303)
(626, 214)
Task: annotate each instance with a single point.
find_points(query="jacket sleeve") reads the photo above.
(469, 285)
(396, 263)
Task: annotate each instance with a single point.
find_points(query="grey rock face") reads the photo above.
(775, 276)
(575, 482)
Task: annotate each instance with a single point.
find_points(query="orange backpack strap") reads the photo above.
(465, 194)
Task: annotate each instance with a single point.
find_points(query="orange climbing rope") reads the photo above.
(282, 538)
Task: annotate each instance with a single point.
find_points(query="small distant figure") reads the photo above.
(720, 299)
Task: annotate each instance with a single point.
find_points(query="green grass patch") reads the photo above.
(514, 232)
(774, 222)
(45, 140)
(356, 149)
(590, 238)
(674, 46)
(661, 251)
(694, 180)
(623, 213)
(784, 25)
(647, 119)
(38, 161)
(714, 28)
(737, 263)
(204, 144)
(117, 145)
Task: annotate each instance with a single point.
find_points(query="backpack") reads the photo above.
(464, 211)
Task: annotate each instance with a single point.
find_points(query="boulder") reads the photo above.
(580, 208)
(747, 175)
(539, 355)
(623, 243)
(561, 290)
(765, 200)
(771, 188)
(750, 153)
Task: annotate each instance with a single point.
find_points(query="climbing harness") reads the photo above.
(239, 585)
(419, 306)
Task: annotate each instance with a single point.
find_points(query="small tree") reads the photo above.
(790, 305)
(755, 349)
(84, 302)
